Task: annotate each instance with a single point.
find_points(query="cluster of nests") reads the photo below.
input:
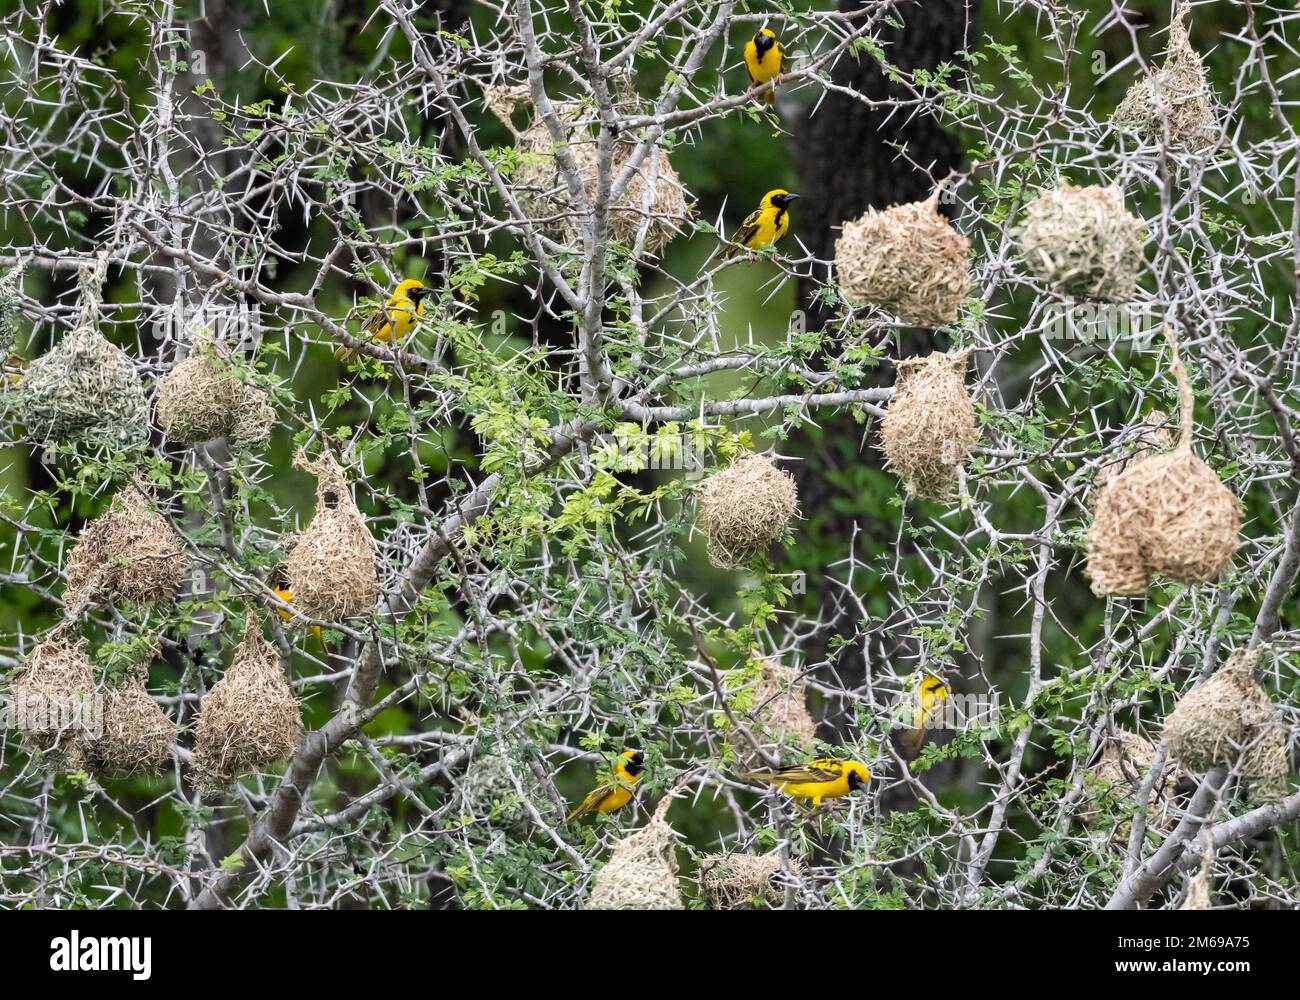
(1227, 721)
(1165, 512)
(86, 394)
(642, 874)
(249, 719)
(653, 206)
(928, 432)
(1230, 718)
(54, 695)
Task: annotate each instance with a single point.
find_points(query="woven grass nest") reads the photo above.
(1167, 513)
(1178, 90)
(929, 427)
(207, 396)
(11, 292)
(129, 552)
(777, 714)
(331, 567)
(744, 881)
(84, 393)
(491, 795)
(249, 719)
(51, 696)
(641, 873)
(1083, 243)
(1226, 716)
(745, 508)
(1126, 760)
(907, 259)
(137, 736)
(654, 198)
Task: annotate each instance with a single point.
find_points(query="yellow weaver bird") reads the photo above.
(282, 591)
(617, 794)
(931, 693)
(765, 59)
(823, 778)
(395, 321)
(765, 225)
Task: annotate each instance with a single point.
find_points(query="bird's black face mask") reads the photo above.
(636, 764)
(783, 201)
(762, 43)
(418, 294)
(855, 781)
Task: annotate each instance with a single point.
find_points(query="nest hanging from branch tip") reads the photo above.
(51, 696)
(745, 508)
(1083, 243)
(249, 718)
(641, 873)
(1216, 720)
(907, 259)
(331, 568)
(1178, 91)
(929, 426)
(130, 552)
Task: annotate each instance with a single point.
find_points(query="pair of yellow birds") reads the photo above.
(824, 778)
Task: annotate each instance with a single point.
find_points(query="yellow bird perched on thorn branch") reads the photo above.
(766, 61)
(616, 794)
(927, 703)
(823, 778)
(765, 225)
(395, 321)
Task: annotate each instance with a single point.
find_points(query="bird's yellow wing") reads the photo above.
(802, 774)
(592, 802)
(747, 231)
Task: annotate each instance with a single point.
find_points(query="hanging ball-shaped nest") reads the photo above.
(129, 552)
(1266, 767)
(744, 881)
(331, 567)
(1178, 91)
(745, 508)
(1198, 886)
(491, 795)
(137, 737)
(641, 873)
(654, 200)
(207, 396)
(1083, 243)
(907, 259)
(929, 427)
(1167, 514)
(1215, 721)
(776, 714)
(249, 719)
(1113, 783)
(85, 393)
(51, 699)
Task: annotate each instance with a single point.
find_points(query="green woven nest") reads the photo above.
(84, 394)
(493, 798)
(11, 288)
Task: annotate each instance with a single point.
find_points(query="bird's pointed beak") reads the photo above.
(791, 197)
